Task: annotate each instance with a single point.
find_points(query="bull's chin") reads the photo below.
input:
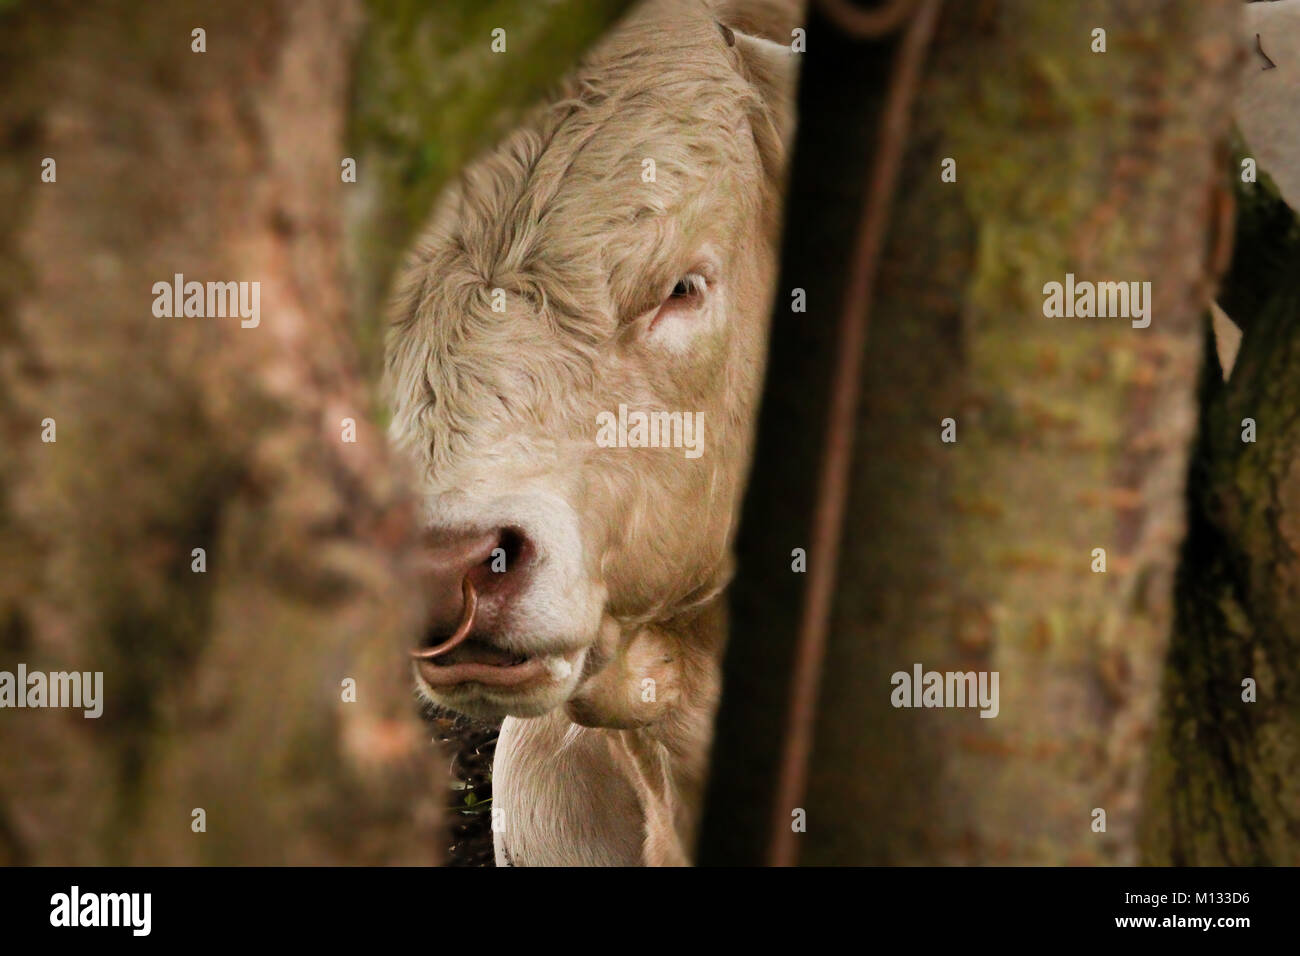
(528, 687)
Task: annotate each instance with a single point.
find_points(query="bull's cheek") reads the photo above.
(637, 687)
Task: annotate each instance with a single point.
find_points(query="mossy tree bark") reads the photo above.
(1225, 780)
(224, 690)
(1072, 434)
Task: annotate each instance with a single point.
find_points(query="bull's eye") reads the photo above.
(686, 296)
(685, 301)
(689, 288)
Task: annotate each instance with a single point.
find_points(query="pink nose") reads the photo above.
(470, 580)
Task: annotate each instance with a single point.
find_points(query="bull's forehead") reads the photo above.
(568, 227)
(641, 154)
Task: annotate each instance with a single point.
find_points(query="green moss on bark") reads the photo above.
(1225, 777)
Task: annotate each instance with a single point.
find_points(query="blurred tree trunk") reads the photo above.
(224, 690)
(1072, 434)
(1225, 780)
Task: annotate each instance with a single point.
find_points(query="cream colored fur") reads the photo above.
(498, 410)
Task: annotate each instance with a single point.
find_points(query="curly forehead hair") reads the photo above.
(550, 215)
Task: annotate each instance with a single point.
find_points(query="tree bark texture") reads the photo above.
(1072, 434)
(224, 690)
(1225, 781)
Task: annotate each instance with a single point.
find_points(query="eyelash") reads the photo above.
(686, 294)
(691, 284)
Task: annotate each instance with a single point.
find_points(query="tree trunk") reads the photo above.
(1225, 781)
(225, 690)
(1072, 435)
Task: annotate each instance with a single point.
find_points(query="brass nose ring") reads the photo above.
(462, 629)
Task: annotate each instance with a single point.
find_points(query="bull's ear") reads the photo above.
(771, 68)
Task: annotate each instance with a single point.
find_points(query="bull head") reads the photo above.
(609, 264)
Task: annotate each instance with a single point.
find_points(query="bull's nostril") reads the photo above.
(493, 564)
(515, 548)
(462, 629)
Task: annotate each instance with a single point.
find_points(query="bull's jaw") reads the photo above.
(632, 679)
